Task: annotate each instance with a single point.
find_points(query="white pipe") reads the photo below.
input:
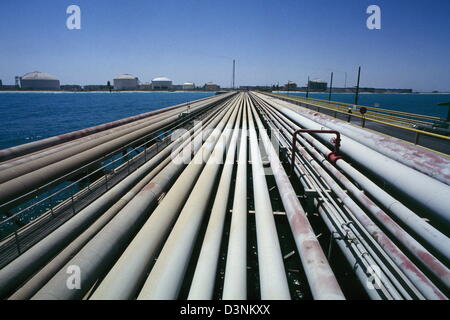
(425, 161)
(273, 281)
(126, 276)
(235, 280)
(413, 273)
(321, 279)
(166, 276)
(46, 158)
(436, 239)
(162, 159)
(202, 285)
(101, 250)
(26, 159)
(432, 194)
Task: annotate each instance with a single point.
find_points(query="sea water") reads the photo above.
(31, 116)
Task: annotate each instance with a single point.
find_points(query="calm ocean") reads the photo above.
(29, 116)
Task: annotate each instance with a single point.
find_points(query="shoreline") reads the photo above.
(99, 91)
(362, 92)
(185, 91)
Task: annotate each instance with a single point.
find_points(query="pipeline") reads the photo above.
(348, 236)
(165, 278)
(32, 180)
(25, 164)
(126, 276)
(430, 262)
(27, 148)
(235, 282)
(413, 273)
(433, 237)
(322, 281)
(271, 268)
(433, 194)
(422, 160)
(104, 248)
(162, 159)
(160, 232)
(18, 270)
(202, 285)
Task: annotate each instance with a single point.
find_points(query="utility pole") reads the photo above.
(307, 89)
(345, 84)
(233, 72)
(331, 86)
(357, 87)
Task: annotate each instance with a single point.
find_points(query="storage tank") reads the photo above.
(126, 82)
(39, 81)
(211, 86)
(188, 86)
(161, 83)
(317, 85)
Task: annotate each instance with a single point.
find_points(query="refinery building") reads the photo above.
(126, 82)
(39, 81)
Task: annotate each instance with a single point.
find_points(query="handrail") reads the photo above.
(8, 204)
(371, 108)
(381, 110)
(369, 118)
(93, 172)
(332, 156)
(380, 114)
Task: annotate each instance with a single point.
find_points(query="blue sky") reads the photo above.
(196, 40)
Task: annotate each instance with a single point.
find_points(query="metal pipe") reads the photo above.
(33, 163)
(425, 161)
(128, 273)
(413, 273)
(338, 225)
(362, 258)
(332, 157)
(321, 279)
(325, 196)
(166, 277)
(22, 267)
(27, 148)
(202, 285)
(433, 194)
(235, 279)
(272, 276)
(44, 275)
(27, 159)
(429, 261)
(434, 238)
(101, 251)
(29, 175)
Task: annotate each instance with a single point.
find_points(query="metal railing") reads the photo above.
(68, 198)
(430, 140)
(375, 110)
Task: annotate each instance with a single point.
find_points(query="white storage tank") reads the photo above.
(188, 86)
(126, 82)
(161, 83)
(39, 81)
(211, 86)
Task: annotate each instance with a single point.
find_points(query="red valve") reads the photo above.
(332, 157)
